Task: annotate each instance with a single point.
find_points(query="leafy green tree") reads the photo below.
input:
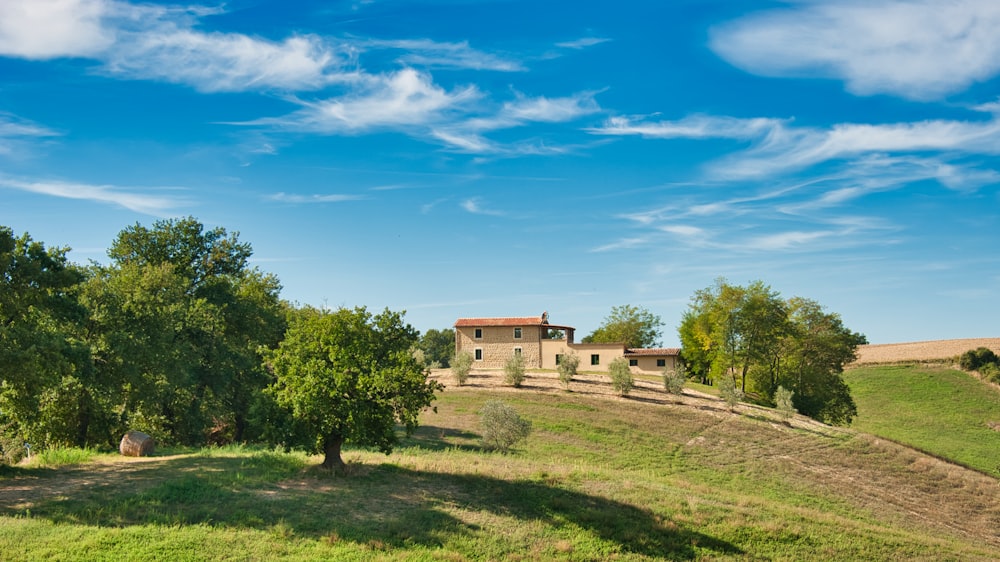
(502, 426)
(438, 347)
(752, 336)
(513, 371)
(621, 376)
(634, 326)
(568, 365)
(812, 362)
(349, 376)
(42, 359)
(186, 347)
(461, 366)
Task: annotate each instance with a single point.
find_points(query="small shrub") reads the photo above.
(567, 368)
(502, 426)
(783, 402)
(513, 371)
(990, 372)
(621, 376)
(461, 366)
(729, 392)
(674, 379)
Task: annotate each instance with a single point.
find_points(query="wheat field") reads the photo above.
(939, 350)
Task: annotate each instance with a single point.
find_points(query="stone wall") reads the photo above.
(498, 343)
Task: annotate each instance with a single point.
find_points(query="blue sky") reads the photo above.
(500, 158)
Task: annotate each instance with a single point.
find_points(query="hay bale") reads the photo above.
(136, 444)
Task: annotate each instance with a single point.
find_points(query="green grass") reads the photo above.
(598, 479)
(56, 457)
(939, 410)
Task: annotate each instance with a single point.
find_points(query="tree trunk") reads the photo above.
(332, 460)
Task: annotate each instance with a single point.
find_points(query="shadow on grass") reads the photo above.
(382, 506)
(433, 438)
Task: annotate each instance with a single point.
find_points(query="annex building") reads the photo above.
(493, 341)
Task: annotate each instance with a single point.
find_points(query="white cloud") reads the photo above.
(683, 230)
(14, 130)
(405, 98)
(583, 42)
(693, 127)
(475, 207)
(316, 198)
(917, 49)
(777, 146)
(214, 62)
(162, 43)
(428, 53)
(622, 244)
(466, 136)
(128, 198)
(42, 29)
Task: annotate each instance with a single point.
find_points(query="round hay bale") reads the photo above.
(136, 444)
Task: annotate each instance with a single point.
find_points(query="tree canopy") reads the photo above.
(762, 342)
(349, 376)
(634, 326)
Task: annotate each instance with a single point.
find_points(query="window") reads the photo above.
(661, 362)
(517, 351)
(517, 333)
(479, 354)
(558, 358)
(633, 362)
(479, 333)
(595, 359)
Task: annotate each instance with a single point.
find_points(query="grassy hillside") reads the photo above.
(937, 409)
(600, 478)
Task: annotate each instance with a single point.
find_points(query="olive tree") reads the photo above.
(621, 376)
(568, 364)
(460, 367)
(349, 376)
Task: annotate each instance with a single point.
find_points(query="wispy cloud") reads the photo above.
(129, 198)
(622, 244)
(14, 130)
(906, 48)
(778, 146)
(475, 206)
(468, 135)
(583, 42)
(435, 54)
(402, 99)
(693, 127)
(315, 198)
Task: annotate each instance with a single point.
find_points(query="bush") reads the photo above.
(567, 368)
(621, 376)
(729, 392)
(502, 426)
(513, 371)
(783, 402)
(990, 372)
(674, 379)
(975, 359)
(461, 366)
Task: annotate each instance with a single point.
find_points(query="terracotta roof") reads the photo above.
(653, 351)
(479, 322)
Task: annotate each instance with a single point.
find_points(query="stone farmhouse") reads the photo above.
(493, 341)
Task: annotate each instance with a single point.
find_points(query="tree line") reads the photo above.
(178, 336)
